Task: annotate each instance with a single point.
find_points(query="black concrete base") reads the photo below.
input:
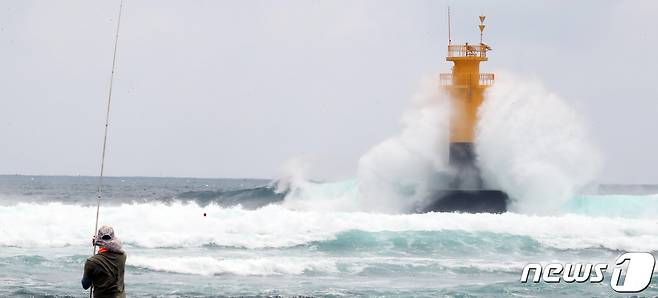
(467, 201)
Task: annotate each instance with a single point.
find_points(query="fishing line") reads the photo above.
(99, 186)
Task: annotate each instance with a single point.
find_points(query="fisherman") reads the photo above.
(104, 271)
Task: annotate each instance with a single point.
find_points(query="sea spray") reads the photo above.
(402, 171)
(533, 145)
(530, 143)
(393, 176)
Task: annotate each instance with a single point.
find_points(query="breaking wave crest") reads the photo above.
(267, 266)
(158, 225)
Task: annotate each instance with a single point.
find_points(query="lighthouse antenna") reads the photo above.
(449, 36)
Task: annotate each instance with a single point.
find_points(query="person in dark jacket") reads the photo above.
(104, 271)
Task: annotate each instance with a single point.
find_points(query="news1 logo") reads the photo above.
(638, 273)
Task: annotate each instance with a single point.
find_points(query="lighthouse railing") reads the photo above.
(447, 79)
(486, 79)
(467, 50)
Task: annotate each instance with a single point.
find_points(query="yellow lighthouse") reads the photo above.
(465, 86)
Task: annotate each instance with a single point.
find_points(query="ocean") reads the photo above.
(249, 244)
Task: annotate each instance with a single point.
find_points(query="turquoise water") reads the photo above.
(614, 205)
(173, 250)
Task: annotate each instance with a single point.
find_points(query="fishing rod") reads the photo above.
(99, 186)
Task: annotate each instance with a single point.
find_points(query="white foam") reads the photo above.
(237, 266)
(178, 225)
(265, 266)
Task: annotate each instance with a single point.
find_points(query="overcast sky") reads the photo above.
(237, 88)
